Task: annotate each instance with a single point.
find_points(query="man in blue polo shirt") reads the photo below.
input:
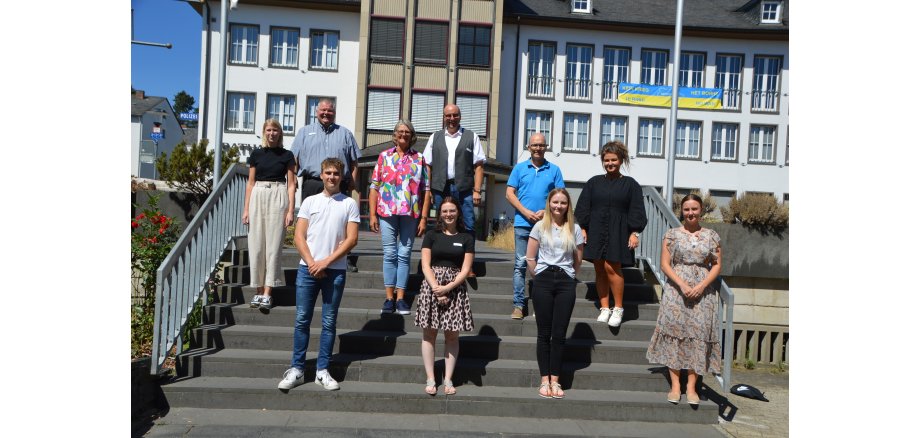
(528, 186)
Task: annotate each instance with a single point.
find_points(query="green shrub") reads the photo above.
(757, 210)
(190, 168)
(709, 205)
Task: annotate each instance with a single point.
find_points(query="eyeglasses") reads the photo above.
(452, 116)
(404, 132)
(538, 145)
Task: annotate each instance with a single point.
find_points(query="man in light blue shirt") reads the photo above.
(528, 186)
(318, 141)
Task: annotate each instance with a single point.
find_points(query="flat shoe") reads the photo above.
(675, 398)
(544, 389)
(557, 387)
(449, 388)
(431, 388)
(693, 399)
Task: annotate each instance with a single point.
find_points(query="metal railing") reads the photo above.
(611, 91)
(764, 100)
(540, 86)
(731, 99)
(660, 220)
(184, 274)
(578, 89)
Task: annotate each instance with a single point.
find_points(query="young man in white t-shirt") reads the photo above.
(327, 228)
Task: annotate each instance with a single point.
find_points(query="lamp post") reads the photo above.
(221, 87)
(672, 144)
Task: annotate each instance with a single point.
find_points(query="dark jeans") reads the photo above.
(465, 198)
(553, 297)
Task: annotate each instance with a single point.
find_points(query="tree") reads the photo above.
(183, 102)
(191, 168)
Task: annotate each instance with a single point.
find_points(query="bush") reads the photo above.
(709, 205)
(153, 235)
(502, 239)
(190, 168)
(761, 211)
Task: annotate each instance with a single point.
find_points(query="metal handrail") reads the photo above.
(184, 273)
(660, 220)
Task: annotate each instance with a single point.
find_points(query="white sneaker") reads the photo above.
(292, 378)
(326, 381)
(604, 316)
(616, 317)
(256, 301)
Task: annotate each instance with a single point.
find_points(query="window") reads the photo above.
(539, 121)
(764, 94)
(284, 47)
(616, 70)
(283, 109)
(475, 113)
(728, 78)
(651, 137)
(688, 139)
(431, 42)
(613, 128)
(427, 111)
(541, 67)
(691, 69)
(578, 72)
(324, 50)
(473, 47)
(387, 37)
(724, 142)
(575, 132)
(583, 6)
(654, 67)
(722, 197)
(770, 11)
(241, 112)
(382, 109)
(312, 103)
(244, 44)
(761, 144)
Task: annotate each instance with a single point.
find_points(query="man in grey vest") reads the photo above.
(455, 159)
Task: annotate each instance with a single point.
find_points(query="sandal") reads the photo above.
(449, 388)
(557, 390)
(431, 388)
(545, 392)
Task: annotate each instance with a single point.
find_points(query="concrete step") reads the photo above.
(370, 397)
(409, 370)
(230, 423)
(483, 343)
(362, 319)
(372, 299)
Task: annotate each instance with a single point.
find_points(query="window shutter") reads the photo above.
(382, 109)
(474, 112)
(387, 39)
(427, 111)
(430, 42)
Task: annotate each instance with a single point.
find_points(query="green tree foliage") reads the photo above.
(190, 168)
(183, 102)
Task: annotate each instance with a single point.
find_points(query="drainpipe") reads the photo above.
(517, 84)
(203, 108)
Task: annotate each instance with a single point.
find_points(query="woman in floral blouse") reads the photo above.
(398, 189)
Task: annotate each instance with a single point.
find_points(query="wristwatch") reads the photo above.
(636, 233)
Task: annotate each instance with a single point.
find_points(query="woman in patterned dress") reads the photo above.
(443, 304)
(686, 335)
(398, 190)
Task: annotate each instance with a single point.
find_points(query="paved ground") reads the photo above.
(754, 418)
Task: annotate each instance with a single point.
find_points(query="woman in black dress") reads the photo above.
(611, 212)
(443, 304)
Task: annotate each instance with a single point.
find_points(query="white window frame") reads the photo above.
(383, 109)
(654, 67)
(762, 144)
(244, 44)
(241, 112)
(283, 108)
(575, 129)
(771, 11)
(475, 111)
(538, 121)
(323, 54)
(651, 137)
(728, 78)
(578, 81)
(616, 70)
(427, 111)
(724, 140)
(541, 69)
(691, 75)
(765, 89)
(312, 103)
(612, 129)
(581, 6)
(688, 138)
(285, 44)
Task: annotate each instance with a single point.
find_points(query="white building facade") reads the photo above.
(149, 115)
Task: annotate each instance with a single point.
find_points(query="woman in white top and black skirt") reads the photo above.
(443, 304)
(553, 257)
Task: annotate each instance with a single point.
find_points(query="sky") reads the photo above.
(159, 71)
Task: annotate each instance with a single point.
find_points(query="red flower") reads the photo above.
(152, 240)
(141, 216)
(134, 224)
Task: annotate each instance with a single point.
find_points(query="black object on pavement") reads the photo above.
(748, 391)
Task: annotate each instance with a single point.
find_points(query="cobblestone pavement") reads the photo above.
(755, 418)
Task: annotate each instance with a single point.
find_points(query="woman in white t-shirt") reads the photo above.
(553, 257)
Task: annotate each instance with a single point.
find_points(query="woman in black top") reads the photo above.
(447, 259)
(268, 209)
(611, 212)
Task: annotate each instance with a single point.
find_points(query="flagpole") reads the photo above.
(672, 144)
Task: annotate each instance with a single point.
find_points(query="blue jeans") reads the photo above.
(308, 288)
(397, 234)
(519, 279)
(466, 205)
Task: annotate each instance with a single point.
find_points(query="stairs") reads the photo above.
(239, 354)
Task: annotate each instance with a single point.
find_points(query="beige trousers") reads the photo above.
(268, 204)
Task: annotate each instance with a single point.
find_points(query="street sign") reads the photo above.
(192, 117)
(156, 136)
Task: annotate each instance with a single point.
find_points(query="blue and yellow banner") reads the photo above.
(660, 95)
